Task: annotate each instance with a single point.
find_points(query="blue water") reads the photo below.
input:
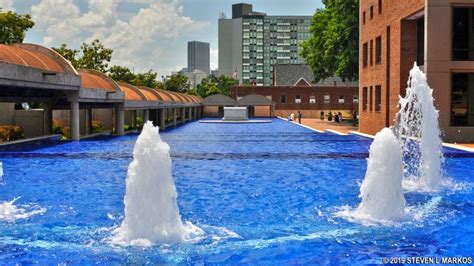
(263, 193)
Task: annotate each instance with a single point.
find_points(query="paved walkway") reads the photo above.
(318, 124)
(345, 127)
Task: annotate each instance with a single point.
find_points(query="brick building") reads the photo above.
(310, 100)
(436, 34)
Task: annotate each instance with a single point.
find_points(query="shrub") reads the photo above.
(59, 128)
(10, 132)
(97, 126)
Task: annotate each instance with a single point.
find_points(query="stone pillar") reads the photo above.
(190, 114)
(74, 118)
(119, 120)
(272, 112)
(183, 115)
(146, 115)
(47, 118)
(162, 119)
(174, 116)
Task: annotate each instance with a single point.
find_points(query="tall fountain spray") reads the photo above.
(151, 209)
(381, 191)
(418, 129)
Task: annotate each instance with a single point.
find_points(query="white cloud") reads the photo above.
(7, 5)
(137, 42)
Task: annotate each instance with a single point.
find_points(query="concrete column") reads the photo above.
(119, 120)
(174, 116)
(272, 112)
(162, 119)
(146, 115)
(74, 119)
(48, 119)
(183, 115)
(190, 114)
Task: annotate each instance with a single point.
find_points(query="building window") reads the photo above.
(378, 50)
(420, 41)
(341, 99)
(371, 12)
(462, 100)
(371, 51)
(363, 18)
(283, 99)
(327, 99)
(380, 6)
(355, 99)
(364, 98)
(463, 47)
(370, 98)
(364, 55)
(312, 99)
(297, 99)
(378, 100)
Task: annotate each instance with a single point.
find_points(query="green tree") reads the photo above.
(13, 27)
(69, 54)
(92, 55)
(177, 82)
(95, 56)
(333, 48)
(120, 73)
(147, 79)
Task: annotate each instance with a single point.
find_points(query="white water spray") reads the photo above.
(418, 129)
(381, 190)
(10, 213)
(151, 209)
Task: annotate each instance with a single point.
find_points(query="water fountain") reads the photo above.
(411, 158)
(381, 191)
(418, 129)
(151, 209)
(9, 212)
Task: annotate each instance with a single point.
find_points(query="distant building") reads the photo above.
(302, 75)
(251, 43)
(215, 72)
(198, 57)
(195, 77)
(438, 36)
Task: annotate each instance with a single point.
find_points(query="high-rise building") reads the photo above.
(250, 43)
(198, 57)
(436, 35)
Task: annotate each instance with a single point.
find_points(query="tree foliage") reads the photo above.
(333, 48)
(120, 73)
(92, 55)
(177, 82)
(215, 85)
(69, 54)
(148, 79)
(13, 27)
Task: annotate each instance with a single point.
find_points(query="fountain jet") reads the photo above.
(381, 191)
(151, 209)
(418, 129)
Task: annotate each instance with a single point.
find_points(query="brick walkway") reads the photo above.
(345, 127)
(317, 124)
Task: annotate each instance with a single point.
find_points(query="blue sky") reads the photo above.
(144, 34)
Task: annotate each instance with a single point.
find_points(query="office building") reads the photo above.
(198, 57)
(251, 42)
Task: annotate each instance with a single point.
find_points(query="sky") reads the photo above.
(144, 34)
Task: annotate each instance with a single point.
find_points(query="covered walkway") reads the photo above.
(31, 73)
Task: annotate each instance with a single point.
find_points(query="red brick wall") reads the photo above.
(305, 92)
(402, 46)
